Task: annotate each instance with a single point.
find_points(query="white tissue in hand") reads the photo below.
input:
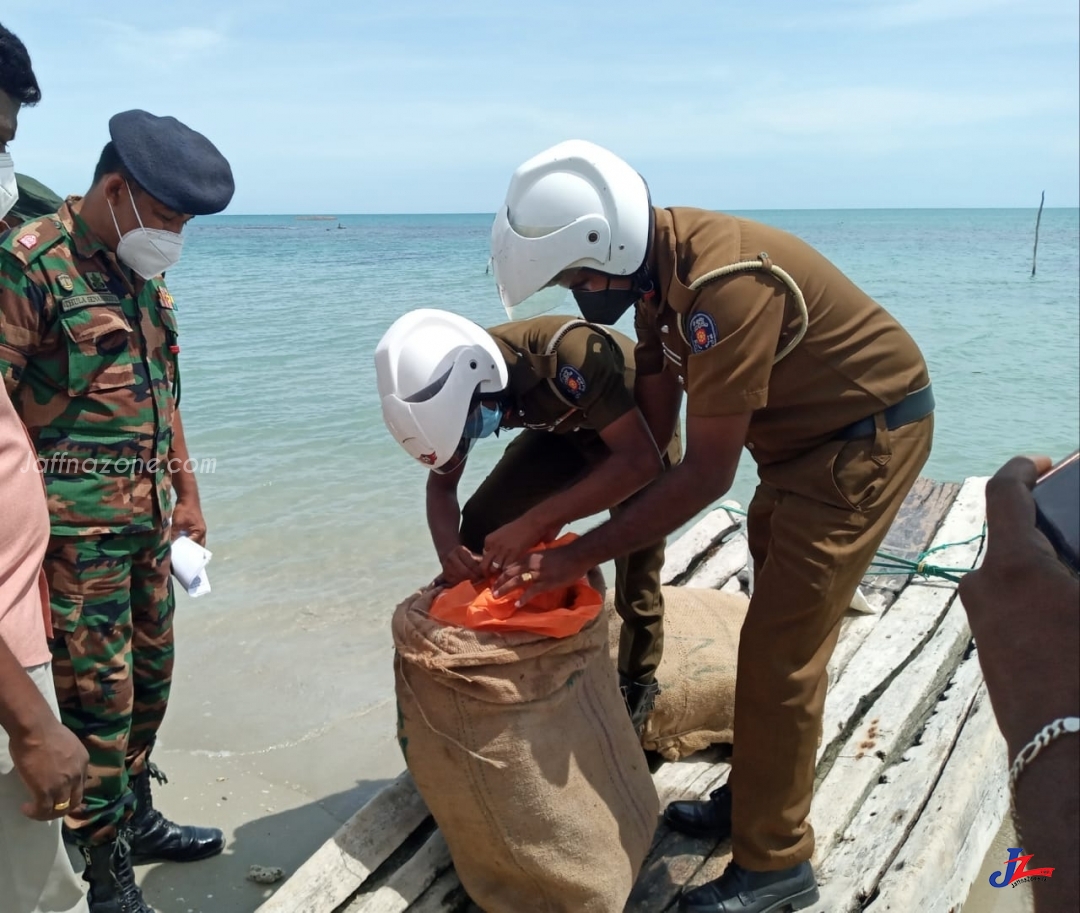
(189, 560)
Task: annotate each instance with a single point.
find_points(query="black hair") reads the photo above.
(109, 163)
(17, 77)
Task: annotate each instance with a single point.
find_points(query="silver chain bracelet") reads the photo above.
(1046, 735)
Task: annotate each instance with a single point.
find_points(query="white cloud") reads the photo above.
(166, 45)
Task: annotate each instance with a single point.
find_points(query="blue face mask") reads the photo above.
(482, 421)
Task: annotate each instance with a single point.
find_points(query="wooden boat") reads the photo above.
(911, 782)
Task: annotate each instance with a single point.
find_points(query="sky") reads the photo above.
(427, 106)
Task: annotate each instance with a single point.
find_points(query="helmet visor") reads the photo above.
(483, 419)
(552, 299)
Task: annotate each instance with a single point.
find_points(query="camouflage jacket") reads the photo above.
(88, 352)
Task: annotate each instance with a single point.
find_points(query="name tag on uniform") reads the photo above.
(84, 301)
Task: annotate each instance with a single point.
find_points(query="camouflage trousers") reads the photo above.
(537, 465)
(112, 614)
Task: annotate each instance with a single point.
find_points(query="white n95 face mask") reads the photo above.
(147, 251)
(9, 187)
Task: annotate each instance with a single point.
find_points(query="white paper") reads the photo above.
(189, 560)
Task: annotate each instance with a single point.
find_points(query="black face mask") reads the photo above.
(608, 305)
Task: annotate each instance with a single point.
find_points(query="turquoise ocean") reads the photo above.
(314, 510)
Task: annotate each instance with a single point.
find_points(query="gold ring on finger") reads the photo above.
(60, 806)
(527, 577)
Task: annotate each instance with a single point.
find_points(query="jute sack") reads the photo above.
(523, 751)
(696, 706)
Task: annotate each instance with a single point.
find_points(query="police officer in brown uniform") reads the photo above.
(585, 447)
(776, 350)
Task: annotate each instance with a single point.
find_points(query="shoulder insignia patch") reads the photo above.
(64, 281)
(97, 282)
(29, 241)
(571, 381)
(165, 298)
(703, 334)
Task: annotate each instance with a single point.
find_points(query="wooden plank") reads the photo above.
(335, 871)
(733, 585)
(887, 729)
(850, 874)
(905, 628)
(673, 860)
(446, 895)
(718, 568)
(409, 881)
(688, 778)
(696, 543)
(943, 855)
(915, 526)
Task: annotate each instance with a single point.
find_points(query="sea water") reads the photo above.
(313, 508)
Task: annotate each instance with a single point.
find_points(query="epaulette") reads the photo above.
(30, 240)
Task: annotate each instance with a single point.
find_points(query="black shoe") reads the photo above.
(740, 891)
(640, 698)
(112, 882)
(708, 818)
(154, 838)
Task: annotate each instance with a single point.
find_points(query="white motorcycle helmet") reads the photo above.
(431, 367)
(573, 205)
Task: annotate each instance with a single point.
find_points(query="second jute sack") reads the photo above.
(696, 706)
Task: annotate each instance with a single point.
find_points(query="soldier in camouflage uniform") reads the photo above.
(88, 352)
(571, 387)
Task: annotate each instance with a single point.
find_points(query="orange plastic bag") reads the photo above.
(561, 612)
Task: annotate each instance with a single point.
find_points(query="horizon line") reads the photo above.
(491, 213)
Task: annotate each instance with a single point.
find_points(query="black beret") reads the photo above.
(172, 163)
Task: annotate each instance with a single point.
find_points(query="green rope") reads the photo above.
(894, 564)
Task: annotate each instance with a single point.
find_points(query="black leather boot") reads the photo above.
(640, 698)
(154, 838)
(741, 891)
(112, 882)
(708, 818)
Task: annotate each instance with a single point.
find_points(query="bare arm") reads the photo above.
(444, 523)
(713, 447)
(658, 397)
(49, 758)
(631, 463)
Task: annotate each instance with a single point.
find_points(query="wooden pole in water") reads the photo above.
(1038, 219)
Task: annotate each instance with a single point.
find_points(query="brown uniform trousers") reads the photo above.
(536, 465)
(814, 525)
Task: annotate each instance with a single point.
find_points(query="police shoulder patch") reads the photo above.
(571, 381)
(702, 332)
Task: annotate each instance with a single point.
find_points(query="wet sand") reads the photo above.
(281, 725)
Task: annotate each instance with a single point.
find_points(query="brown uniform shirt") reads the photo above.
(586, 381)
(720, 341)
